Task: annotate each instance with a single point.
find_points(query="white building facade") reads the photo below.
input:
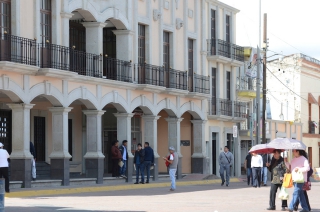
(76, 75)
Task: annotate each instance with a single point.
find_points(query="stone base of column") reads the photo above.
(60, 169)
(155, 171)
(20, 170)
(95, 169)
(179, 171)
(129, 171)
(199, 166)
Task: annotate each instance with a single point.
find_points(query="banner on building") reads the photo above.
(251, 67)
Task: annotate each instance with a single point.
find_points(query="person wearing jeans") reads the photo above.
(299, 164)
(148, 159)
(172, 159)
(138, 161)
(247, 166)
(256, 165)
(124, 153)
(264, 169)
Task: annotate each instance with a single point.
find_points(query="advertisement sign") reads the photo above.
(251, 67)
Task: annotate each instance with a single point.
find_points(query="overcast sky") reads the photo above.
(293, 25)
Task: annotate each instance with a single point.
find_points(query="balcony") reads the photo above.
(225, 52)
(28, 57)
(246, 87)
(227, 110)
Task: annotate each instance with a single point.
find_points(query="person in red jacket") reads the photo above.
(116, 158)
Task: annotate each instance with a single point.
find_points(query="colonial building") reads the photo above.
(78, 74)
(296, 98)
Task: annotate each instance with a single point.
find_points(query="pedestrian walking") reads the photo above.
(309, 174)
(256, 164)
(148, 159)
(139, 163)
(4, 156)
(172, 164)
(124, 153)
(278, 168)
(225, 162)
(116, 158)
(33, 162)
(264, 169)
(299, 164)
(247, 167)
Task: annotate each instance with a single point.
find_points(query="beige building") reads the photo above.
(296, 99)
(77, 75)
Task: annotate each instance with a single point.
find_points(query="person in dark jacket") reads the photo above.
(116, 158)
(33, 161)
(264, 169)
(138, 162)
(247, 166)
(148, 159)
(124, 153)
(278, 168)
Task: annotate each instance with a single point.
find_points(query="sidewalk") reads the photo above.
(113, 186)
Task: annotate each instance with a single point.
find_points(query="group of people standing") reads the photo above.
(279, 166)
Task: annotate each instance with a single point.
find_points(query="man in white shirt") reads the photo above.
(256, 165)
(4, 155)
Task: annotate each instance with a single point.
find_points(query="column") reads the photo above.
(65, 18)
(21, 156)
(124, 133)
(200, 162)
(151, 136)
(124, 44)
(60, 156)
(15, 18)
(174, 140)
(94, 159)
(94, 37)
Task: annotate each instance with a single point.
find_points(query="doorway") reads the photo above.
(40, 138)
(109, 137)
(214, 153)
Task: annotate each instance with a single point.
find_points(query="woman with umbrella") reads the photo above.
(278, 168)
(299, 164)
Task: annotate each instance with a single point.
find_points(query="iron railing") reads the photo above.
(149, 74)
(176, 79)
(225, 49)
(119, 70)
(65, 58)
(245, 83)
(17, 49)
(225, 106)
(199, 84)
(240, 109)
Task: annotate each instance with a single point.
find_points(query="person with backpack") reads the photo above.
(225, 162)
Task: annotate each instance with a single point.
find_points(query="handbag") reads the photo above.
(120, 163)
(167, 162)
(297, 177)
(287, 181)
(283, 195)
(306, 186)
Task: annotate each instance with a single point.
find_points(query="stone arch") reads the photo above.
(144, 103)
(116, 17)
(116, 100)
(167, 106)
(47, 90)
(193, 109)
(11, 89)
(88, 11)
(84, 96)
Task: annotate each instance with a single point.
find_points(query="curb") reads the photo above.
(64, 191)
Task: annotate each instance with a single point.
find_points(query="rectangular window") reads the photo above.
(5, 16)
(228, 85)
(213, 24)
(190, 57)
(166, 50)
(214, 83)
(45, 21)
(142, 44)
(228, 28)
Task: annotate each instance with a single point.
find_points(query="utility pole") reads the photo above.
(258, 81)
(264, 84)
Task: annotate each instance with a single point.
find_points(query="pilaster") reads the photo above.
(200, 162)
(124, 44)
(94, 37)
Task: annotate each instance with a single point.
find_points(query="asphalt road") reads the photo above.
(237, 197)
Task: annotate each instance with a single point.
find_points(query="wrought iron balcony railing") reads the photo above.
(240, 109)
(199, 83)
(245, 83)
(17, 49)
(226, 107)
(119, 70)
(225, 49)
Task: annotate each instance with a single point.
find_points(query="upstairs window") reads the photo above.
(166, 50)
(5, 16)
(228, 85)
(142, 44)
(45, 21)
(213, 24)
(228, 28)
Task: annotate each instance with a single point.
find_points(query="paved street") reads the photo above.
(204, 197)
